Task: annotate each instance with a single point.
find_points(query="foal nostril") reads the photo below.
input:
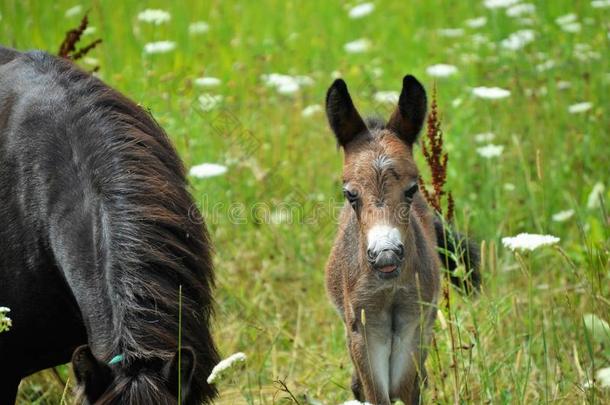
(400, 251)
(370, 255)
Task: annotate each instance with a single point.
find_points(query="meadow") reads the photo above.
(524, 108)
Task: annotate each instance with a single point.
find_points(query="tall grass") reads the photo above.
(523, 340)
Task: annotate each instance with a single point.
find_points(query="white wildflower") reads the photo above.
(208, 102)
(528, 241)
(4, 310)
(451, 32)
(90, 30)
(311, 110)
(361, 10)
(563, 85)
(74, 11)
(390, 97)
(595, 195)
(563, 216)
(285, 84)
(456, 102)
(159, 47)
(520, 9)
(198, 27)
(566, 19)
(154, 16)
(484, 137)
(546, 65)
(207, 81)
(224, 365)
(207, 170)
(476, 22)
(600, 3)
(490, 93)
(479, 39)
(441, 70)
(571, 27)
(603, 376)
(492, 4)
(584, 52)
(490, 151)
(518, 40)
(580, 107)
(358, 46)
(509, 187)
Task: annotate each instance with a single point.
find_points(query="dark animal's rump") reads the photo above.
(98, 228)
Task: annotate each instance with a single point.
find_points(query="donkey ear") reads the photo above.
(408, 118)
(180, 370)
(95, 377)
(342, 115)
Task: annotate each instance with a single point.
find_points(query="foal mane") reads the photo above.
(151, 238)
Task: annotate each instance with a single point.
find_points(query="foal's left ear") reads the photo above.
(180, 369)
(408, 118)
(93, 375)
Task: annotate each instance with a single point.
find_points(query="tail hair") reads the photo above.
(458, 251)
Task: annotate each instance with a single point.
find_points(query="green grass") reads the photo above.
(523, 337)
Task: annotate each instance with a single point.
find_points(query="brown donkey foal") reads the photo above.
(383, 272)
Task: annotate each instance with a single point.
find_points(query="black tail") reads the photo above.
(457, 250)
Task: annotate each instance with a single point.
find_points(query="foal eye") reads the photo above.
(410, 192)
(352, 197)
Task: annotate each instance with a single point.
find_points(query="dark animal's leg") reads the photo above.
(8, 391)
(357, 387)
(452, 244)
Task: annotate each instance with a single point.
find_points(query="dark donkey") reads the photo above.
(383, 272)
(97, 234)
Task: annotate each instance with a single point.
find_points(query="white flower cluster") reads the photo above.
(528, 241)
(154, 16)
(286, 84)
(490, 93)
(389, 96)
(441, 70)
(159, 47)
(225, 365)
(207, 170)
(490, 151)
(207, 81)
(361, 10)
(358, 46)
(518, 40)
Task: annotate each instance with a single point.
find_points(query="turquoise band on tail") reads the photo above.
(116, 359)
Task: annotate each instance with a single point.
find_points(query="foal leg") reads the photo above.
(413, 382)
(357, 387)
(371, 358)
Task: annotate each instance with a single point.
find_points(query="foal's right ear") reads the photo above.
(94, 376)
(341, 113)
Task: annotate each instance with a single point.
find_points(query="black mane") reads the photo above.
(106, 161)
